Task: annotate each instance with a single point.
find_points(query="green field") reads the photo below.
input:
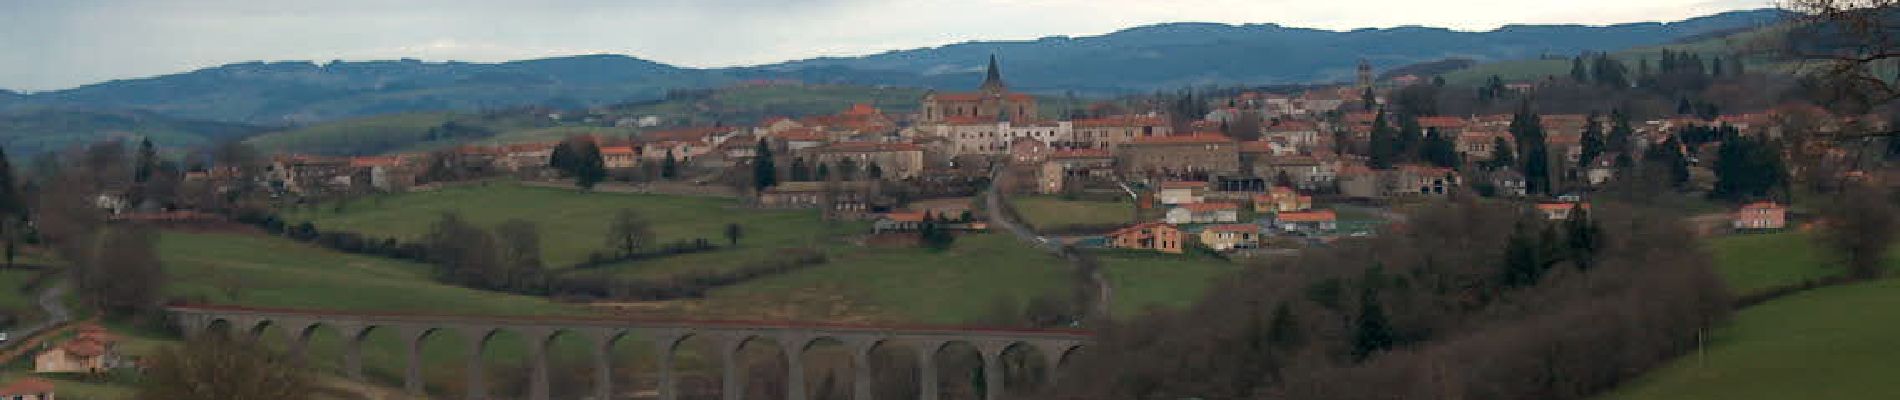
(1753, 262)
(1147, 280)
(1833, 343)
(1047, 212)
(574, 224)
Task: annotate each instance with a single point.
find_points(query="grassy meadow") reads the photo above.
(1047, 212)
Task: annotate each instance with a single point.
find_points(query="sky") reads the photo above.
(57, 44)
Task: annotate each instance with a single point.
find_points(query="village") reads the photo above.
(1195, 185)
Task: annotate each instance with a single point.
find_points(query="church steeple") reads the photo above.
(993, 80)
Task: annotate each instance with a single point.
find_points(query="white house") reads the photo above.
(1204, 213)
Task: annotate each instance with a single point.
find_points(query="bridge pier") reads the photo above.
(992, 355)
(732, 383)
(538, 339)
(412, 376)
(861, 367)
(927, 386)
(353, 336)
(602, 343)
(794, 348)
(474, 385)
(666, 345)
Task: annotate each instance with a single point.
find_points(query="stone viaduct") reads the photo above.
(601, 334)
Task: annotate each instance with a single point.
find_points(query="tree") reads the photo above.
(1860, 226)
(733, 232)
(12, 207)
(764, 170)
(1385, 144)
(1372, 332)
(1577, 72)
(147, 162)
(463, 253)
(1528, 130)
(1593, 142)
(800, 173)
(121, 274)
(1501, 154)
(519, 252)
(847, 169)
(824, 172)
(873, 172)
(579, 157)
(629, 232)
(215, 367)
(1439, 149)
(1666, 163)
(1368, 100)
(1748, 168)
(670, 167)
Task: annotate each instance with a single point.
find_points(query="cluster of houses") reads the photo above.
(1223, 220)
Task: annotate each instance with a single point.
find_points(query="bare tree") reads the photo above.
(1860, 226)
(217, 368)
(628, 232)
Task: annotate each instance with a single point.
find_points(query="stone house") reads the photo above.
(1761, 215)
(1154, 236)
(1063, 166)
(1281, 199)
(895, 161)
(1231, 237)
(1204, 213)
(91, 351)
(1111, 132)
(1318, 221)
(1197, 154)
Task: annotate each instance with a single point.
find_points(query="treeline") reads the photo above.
(1474, 301)
(507, 258)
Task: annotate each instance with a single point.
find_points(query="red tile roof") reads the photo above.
(800, 135)
(1120, 121)
(1560, 206)
(1245, 228)
(27, 387)
(1442, 122)
(1081, 153)
(1294, 126)
(1307, 216)
(905, 216)
(1183, 185)
(1198, 138)
(1210, 207)
(865, 147)
(1138, 227)
(616, 150)
(1256, 146)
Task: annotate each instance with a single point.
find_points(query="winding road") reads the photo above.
(1104, 292)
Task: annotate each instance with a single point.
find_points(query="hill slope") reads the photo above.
(1140, 59)
(34, 130)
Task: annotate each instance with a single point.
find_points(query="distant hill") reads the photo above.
(1726, 44)
(32, 131)
(1142, 59)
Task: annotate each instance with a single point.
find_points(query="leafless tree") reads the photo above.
(217, 368)
(628, 232)
(1860, 226)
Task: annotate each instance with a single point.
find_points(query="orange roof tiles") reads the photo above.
(1560, 206)
(905, 216)
(1210, 207)
(27, 387)
(1240, 228)
(1198, 138)
(1137, 228)
(1256, 146)
(1081, 153)
(1442, 122)
(616, 150)
(1308, 216)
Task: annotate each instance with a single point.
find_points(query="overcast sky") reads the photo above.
(56, 44)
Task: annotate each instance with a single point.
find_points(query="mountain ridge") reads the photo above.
(1131, 60)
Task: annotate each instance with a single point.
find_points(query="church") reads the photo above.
(992, 102)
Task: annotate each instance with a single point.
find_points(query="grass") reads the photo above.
(1150, 280)
(1046, 212)
(1753, 262)
(1832, 343)
(955, 286)
(272, 272)
(574, 224)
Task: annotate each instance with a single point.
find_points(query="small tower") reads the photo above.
(993, 80)
(1365, 74)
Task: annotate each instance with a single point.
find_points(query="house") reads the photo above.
(91, 351)
(1110, 132)
(618, 157)
(1319, 221)
(1281, 199)
(1231, 236)
(1558, 211)
(1200, 153)
(1182, 192)
(28, 389)
(1508, 183)
(1204, 213)
(1602, 170)
(899, 222)
(894, 161)
(1153, 236)
(1064, 166)
(843, 196)
(1761, 215)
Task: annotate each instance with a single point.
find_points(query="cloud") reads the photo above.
(61, 43)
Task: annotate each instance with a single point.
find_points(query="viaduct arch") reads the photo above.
(666, 336)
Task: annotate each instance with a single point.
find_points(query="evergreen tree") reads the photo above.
(764, 168)
(1621, 134)
(1384, 143)
(1748, 169)
(824, 172)
(1372, 333)
(1593, 142)
(147, 162)
(848, 169)
(1501, 154)
(873, 171)
(588, 167)
(12, 208)
(1583, 236)
(1577, 72)
(1409, 137)
(670, 167)
(1439, 149)
(1528, 129)
(800, 172)
(1668, 163)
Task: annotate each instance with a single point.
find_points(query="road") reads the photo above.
(1104, 292)
(51, 302)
